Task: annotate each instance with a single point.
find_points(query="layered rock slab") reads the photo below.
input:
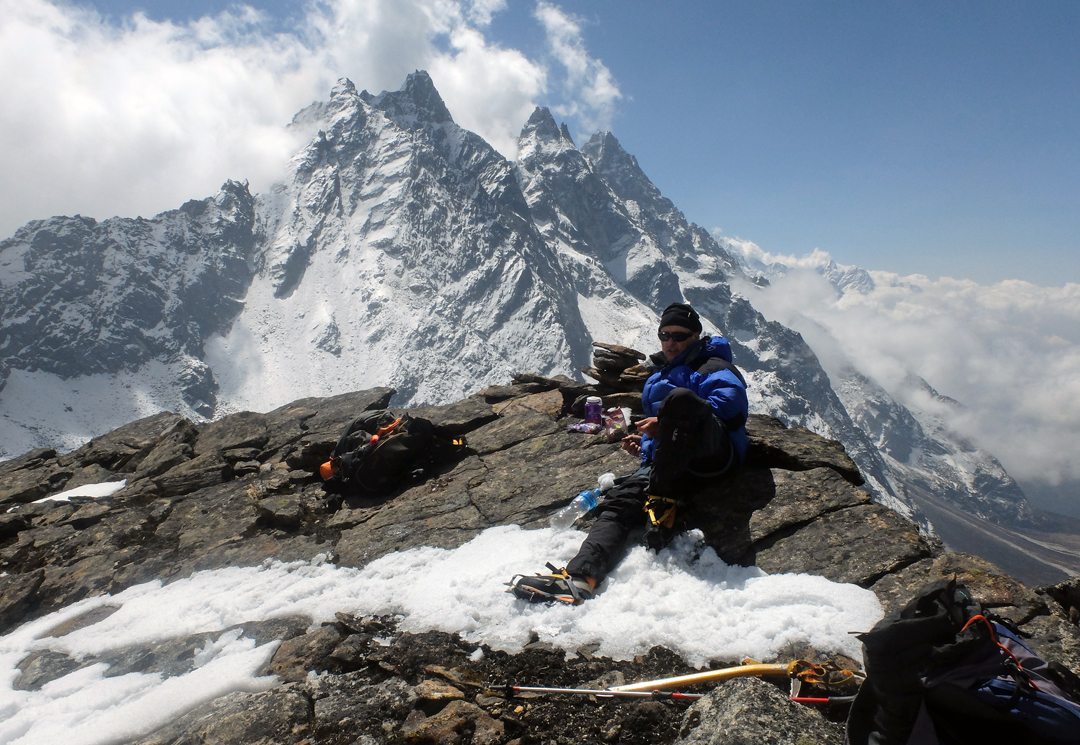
(242, 490)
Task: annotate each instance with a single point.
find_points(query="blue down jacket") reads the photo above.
(706, 369)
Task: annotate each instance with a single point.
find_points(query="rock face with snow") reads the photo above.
(81, 297)
(399, 250)
(241, 490)
(254, 474)
(925, 460)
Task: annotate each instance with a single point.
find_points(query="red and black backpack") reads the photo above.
(378, 451)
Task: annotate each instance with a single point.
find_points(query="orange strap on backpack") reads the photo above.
(328, 469)
(388, 429)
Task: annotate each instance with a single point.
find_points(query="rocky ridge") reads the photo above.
(241, 490)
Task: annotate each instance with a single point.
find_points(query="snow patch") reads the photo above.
(93, 491)
(684, 598)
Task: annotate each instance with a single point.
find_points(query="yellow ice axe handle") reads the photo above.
(786, 670)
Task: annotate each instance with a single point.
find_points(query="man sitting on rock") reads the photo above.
(694, 427)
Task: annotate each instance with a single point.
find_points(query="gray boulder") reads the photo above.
(750, 711)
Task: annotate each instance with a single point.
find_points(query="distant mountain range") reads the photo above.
(400, 249)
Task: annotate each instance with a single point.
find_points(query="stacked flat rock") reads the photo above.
(617, 367)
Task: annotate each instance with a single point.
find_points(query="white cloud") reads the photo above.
(489, 90)
(1009, 352)
(104, 119)
(590, 88)
(481, 11)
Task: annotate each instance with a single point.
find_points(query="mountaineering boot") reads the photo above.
(557, 587)
(661, 528)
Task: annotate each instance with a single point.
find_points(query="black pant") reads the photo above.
(691, 443)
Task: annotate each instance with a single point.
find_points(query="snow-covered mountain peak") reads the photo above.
(543, 146)
(622, 172)
(919, 383)
(542, 125)
(415, 104)
(847, 278)
(760, 266)
(399, 252)
(344, 87)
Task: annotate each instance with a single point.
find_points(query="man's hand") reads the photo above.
(632, 443)
(649, 426)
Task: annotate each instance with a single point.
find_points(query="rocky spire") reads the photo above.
(344, 87)
(541, 124)
(621, 170)
(566, 133)
(418, 102)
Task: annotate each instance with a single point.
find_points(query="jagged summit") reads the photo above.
(231, 192)
(542, 124)
(417, 102)
(566, 133)
(620, 169)
(344, 87)
(919, 383)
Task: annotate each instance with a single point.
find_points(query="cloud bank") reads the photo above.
(590, 87)
(103, 119)
(1009, 352)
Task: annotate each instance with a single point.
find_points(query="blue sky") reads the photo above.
(915, 137)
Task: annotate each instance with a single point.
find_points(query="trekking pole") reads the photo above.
(509, 689)
(780, 670)
(798, 670)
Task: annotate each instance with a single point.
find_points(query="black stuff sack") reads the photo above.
(943, 671)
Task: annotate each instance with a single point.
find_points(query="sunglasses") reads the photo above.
(679, 336)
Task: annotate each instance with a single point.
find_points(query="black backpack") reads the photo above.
(941, 670)
(377, 452)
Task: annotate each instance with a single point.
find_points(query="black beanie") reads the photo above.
(680, 314)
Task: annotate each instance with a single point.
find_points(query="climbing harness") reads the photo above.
(661, 511)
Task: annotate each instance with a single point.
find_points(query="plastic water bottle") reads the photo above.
(581, 504)
(594, 407)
